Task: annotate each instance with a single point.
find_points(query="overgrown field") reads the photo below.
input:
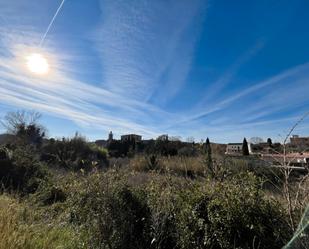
(69, 193)
(166, 202)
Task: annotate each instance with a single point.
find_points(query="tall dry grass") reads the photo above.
(184, 166)
(20, 229)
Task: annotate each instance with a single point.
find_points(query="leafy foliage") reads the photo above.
(22, 171)
(74, 153)
(240, 217)
(115, 215)
(152, 162)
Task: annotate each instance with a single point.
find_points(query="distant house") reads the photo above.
(293, 159)
(105, 143)
(299, 143)
(234, 148)
(101, 142)
(131, 138)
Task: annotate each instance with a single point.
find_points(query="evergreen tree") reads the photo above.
(269, 142)
(245, 148)
(208, 159)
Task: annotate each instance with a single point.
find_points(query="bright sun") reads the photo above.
(37, 64)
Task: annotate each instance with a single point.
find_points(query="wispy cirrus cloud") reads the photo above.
(293, 77)
(146, 50)
(147, 46)
(253, 110)
(215, 88)
(60, 94)
(67, 97)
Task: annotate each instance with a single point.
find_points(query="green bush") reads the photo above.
(170, 212)
(114, 215)
(152, 162)
(22, 170)
(48, 194)
(235, 214)
(166, 204)
(74, 153)
(270, 176)
(188, 151)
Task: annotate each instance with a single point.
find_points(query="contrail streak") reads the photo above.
(51, 23)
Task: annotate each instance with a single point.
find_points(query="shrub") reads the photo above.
(114, 215)
(270, 176)
(118, 148)
(188, 151)
(163, 147)
(230, 214)
(49, 194)
(166, 204)
(74, 153)
(100, 152)
(23, 171)
(152, 162)
(235, 214)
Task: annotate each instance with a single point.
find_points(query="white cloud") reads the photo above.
(146, 46)
(254, 111)
(286, 78)
(61, 95)
(146, 50)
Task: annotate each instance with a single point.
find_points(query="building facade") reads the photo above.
(131, 138)
(234, 148)
(297, 141)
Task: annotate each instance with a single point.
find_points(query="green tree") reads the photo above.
(245, 148)
(269, 142)
(208, 158)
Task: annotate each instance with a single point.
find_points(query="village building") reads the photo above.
(131, 138)
(299, 144)
(105, 143)
(291, 159)
(234, 149)
(101, 143)
(124, 138)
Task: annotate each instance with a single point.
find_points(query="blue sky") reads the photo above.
(222, 69)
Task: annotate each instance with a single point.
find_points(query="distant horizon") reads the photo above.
(189, 68)
(183, 139)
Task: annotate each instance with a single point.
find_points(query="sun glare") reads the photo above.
(37, 64)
